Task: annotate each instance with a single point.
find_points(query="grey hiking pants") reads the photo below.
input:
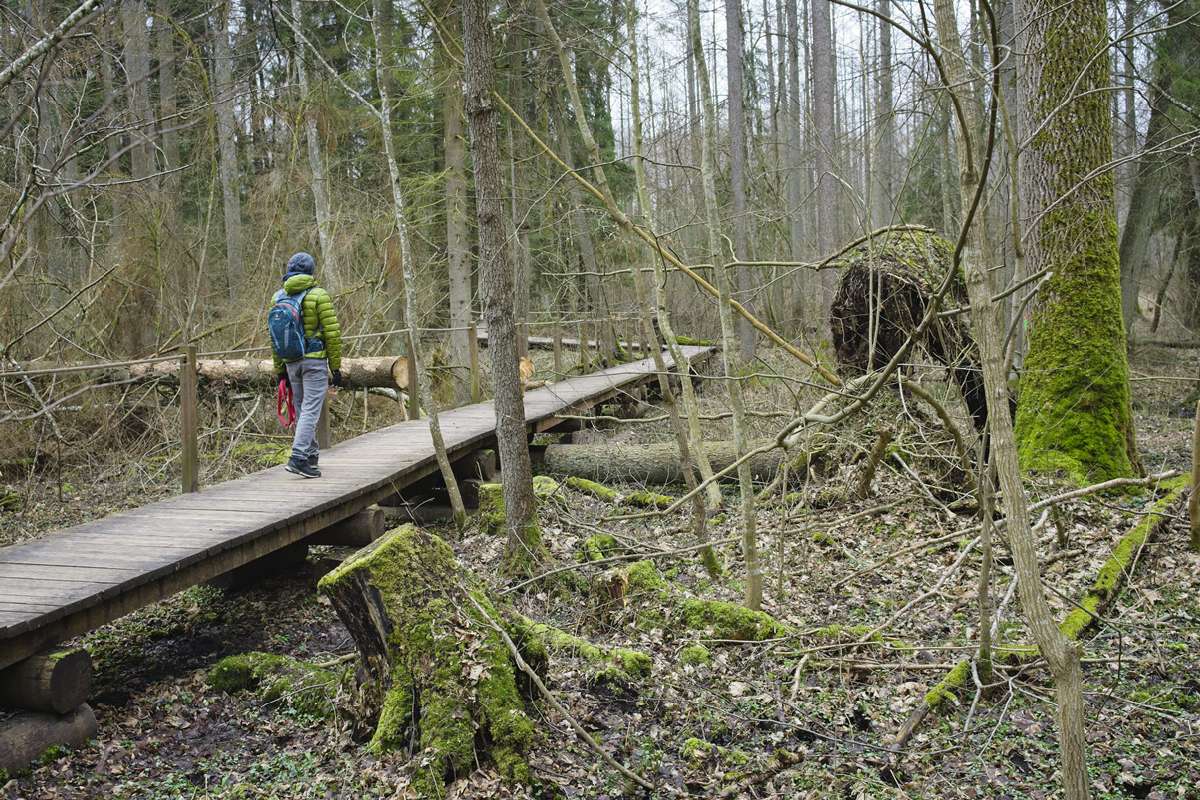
(310, 382)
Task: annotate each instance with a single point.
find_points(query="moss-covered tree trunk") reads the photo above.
(436, 668)
(1074, 413)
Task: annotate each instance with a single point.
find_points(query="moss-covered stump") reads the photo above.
(291, 684)
(434, 662)
(884, 290)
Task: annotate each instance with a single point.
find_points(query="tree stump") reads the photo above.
(434, 663)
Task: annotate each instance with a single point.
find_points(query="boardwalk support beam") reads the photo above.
(54, 680)
(27, 735)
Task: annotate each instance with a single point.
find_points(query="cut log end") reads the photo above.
(55, 681)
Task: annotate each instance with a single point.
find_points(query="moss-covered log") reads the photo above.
(883, 292)
(1106, 585)
(657, 463)
(440, 673)
(612, 666)
(656, 604)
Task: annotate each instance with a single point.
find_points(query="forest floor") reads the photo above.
(712, 716)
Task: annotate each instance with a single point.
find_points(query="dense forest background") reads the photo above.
(163, 164)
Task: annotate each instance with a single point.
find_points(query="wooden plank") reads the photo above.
(50, 590)
(25, 607)
(10, 570)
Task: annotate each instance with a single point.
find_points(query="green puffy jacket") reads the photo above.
(320, 322)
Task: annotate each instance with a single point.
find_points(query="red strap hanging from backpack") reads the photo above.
(284, 409)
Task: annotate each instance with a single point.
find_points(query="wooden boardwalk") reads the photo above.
(72, 581)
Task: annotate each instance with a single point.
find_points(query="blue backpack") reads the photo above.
(285, 322)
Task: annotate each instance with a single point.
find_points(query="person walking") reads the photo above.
(306, 344)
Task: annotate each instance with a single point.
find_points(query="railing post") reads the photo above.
(189, 435)
(585, 360)
(473, 351)
(558, 365)
(323, 425)
(414, 398)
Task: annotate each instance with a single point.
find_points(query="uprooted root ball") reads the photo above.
(884, 292)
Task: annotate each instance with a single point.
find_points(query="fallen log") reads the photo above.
(53, 680)
(373, 372)
(658, 463)
(26, 735)
(435, 669)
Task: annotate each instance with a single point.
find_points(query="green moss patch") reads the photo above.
(946, 691)
(491, 508)
(596, 490)
(647, 499)
(292, 684)
(599, 546)
(730, 621)
(614, 666)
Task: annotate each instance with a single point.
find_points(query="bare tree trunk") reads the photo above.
(458, 241)
(605, 331)
(823, 125)
(734, 368)
(987, 322)
(524, 549)
(227, 148)
(737, 170)
(522, 264)
(422, 388)
(1146, 195)
(316, 164)
(137, 86)
(885, 125)
(795, 114)
(678, 424)
(167, 96)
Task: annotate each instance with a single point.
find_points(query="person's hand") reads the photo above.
(337, 378)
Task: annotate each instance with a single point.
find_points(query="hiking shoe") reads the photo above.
(312, 460)
(301, 468)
